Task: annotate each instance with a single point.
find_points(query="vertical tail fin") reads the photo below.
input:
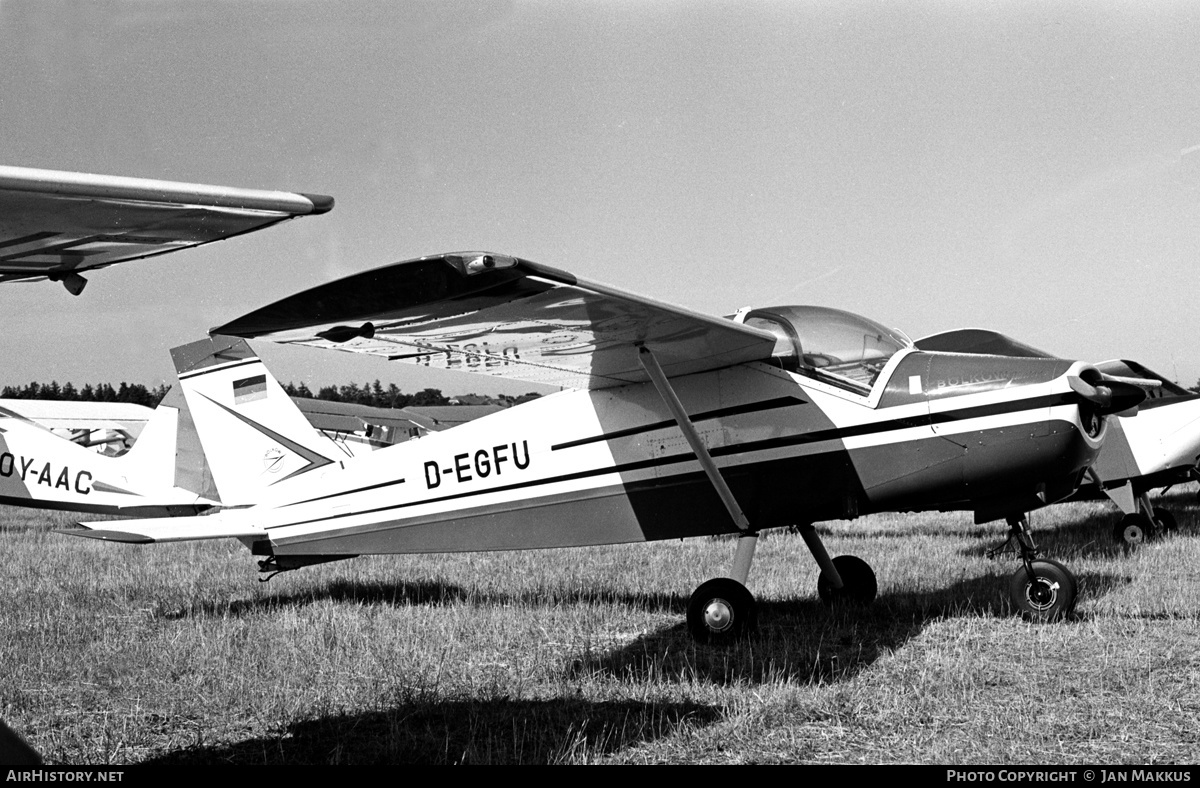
(253, 435)
(151, 460)
(191, 467)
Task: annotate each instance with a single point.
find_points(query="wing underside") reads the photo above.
(506, 317)
(56, 225)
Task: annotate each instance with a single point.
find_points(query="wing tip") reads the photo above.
(322, 203)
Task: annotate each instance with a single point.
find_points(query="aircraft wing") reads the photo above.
(57, 225)
(503, 316)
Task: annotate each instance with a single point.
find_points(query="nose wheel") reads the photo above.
(1041, 589)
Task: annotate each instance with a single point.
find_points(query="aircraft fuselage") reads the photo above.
(937, 431)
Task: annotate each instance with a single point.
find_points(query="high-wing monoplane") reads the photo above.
(675, 424)
(1158, 446)
(58, 225)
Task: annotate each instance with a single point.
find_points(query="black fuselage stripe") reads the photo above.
(922, 420)
(346, 492)
(838, 433)
(1012, 406)
(567, 477)
(753, 407)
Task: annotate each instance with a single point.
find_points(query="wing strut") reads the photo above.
(749, 538)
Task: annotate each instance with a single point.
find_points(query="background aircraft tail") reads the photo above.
(157, 476)
(253, 436)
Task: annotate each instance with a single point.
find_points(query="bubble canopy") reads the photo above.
(830, 344)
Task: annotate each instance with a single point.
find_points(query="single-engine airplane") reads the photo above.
(677, 424)
(1159, 446)
(57, 225)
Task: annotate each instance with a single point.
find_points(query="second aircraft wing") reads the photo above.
(58, 225)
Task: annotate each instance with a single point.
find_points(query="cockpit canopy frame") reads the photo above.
(831, 345)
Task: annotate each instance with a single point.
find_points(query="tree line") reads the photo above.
(134, 393)
(373, 394)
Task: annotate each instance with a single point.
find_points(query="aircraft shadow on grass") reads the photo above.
(460, 732)
(799, 640)
(432, 593)
(802, 640)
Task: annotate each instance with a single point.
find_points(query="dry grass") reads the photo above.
(175, 654)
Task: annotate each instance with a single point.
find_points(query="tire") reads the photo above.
(858, 583)
(1166, 521)
(1048, 596)
(721, 611)
(1132, 530)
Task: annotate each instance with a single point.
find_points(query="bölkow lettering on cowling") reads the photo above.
(479, 464)
(28, 469)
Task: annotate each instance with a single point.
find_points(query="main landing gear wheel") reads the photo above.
(721, 611)
(1048, 595)
(1166, 521)
(1133, 529)
(858, 582)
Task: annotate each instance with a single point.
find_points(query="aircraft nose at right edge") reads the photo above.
(1107, 395)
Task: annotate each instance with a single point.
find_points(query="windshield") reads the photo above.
(840, 347)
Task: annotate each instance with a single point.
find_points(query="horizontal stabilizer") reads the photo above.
(165, 529)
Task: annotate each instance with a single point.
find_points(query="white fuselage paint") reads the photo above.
(42, 470)
(1164, 437)
(548, 452)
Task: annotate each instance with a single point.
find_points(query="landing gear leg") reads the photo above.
(722, 609)
(846, 578)
(1041, 589)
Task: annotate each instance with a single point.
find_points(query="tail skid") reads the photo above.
(253, 435)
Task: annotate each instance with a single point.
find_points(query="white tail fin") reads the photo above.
(252, 434)
(151, 460)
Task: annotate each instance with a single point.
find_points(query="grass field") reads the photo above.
(175, 654)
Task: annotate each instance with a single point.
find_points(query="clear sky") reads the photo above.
(932, 165)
